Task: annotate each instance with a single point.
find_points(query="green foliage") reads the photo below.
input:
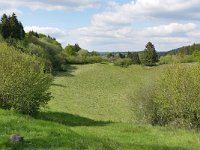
(121, 55)
(37, 51)
(59, 61)
(174, 98)
(32, 33)
(83, 57)
(149, 57)
(188, 59)
(77, 48)
(47, 49)
(72, 49)
(23, 84)
(94, 53)
(80, 59)
(196, 55)
(10, 27)
(178, 58)
(4, 26)
(168, 59)
(186, 50)
(134, 57)
(110, 55)
(125, 62)
(83, 53)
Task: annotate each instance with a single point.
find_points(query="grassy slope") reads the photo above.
(60, 128)
(100, 92)
(43, 134)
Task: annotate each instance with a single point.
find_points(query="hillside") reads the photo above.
(98, 91)
(187, 50)
(76, 119)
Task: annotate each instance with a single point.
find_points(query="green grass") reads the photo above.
(100, 92)
(92, 109)
(75, 132)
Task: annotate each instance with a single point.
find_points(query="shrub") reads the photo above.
(123, 62)
(196, 55)
(23, 83)
(168, 59)
(37, 50)
(83, 59)
(188, 59)
(134, 56)
(175, 98)
(178, 58)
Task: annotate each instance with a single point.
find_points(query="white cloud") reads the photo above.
(148, 9)
(172, 28)
(120, 24)
(194, 34)
(9, 11)
(44, 30)
(122, 39)
(50, 4)
(168, 24)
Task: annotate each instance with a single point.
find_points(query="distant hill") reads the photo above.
(187, 50)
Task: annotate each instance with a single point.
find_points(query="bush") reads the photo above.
(170, 59)
(174, 99)
(134, 56)
(123, 62)
(23, 83)
(188, 59)
(83, 59)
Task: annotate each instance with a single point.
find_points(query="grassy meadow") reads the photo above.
(92, 108)
(99, 91)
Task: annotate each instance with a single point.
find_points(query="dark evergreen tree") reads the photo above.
(94, 53)
(121, 55)
(11, 27)
(5, 26)
(134, 57)
(149, 56)
(32, 33)
(16, 28)
(77, 48)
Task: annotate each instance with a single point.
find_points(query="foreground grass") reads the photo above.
(70, 133)
(88, 102)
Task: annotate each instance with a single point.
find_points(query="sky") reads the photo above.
(111, 25)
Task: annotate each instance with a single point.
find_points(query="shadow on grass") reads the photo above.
(69, 119)
(58, 85)
(156, 147)
(68, 73)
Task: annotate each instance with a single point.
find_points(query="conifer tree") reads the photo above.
(149, 57)
(5, 26)
(10, 27)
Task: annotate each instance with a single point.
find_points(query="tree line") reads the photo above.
(148, 57)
